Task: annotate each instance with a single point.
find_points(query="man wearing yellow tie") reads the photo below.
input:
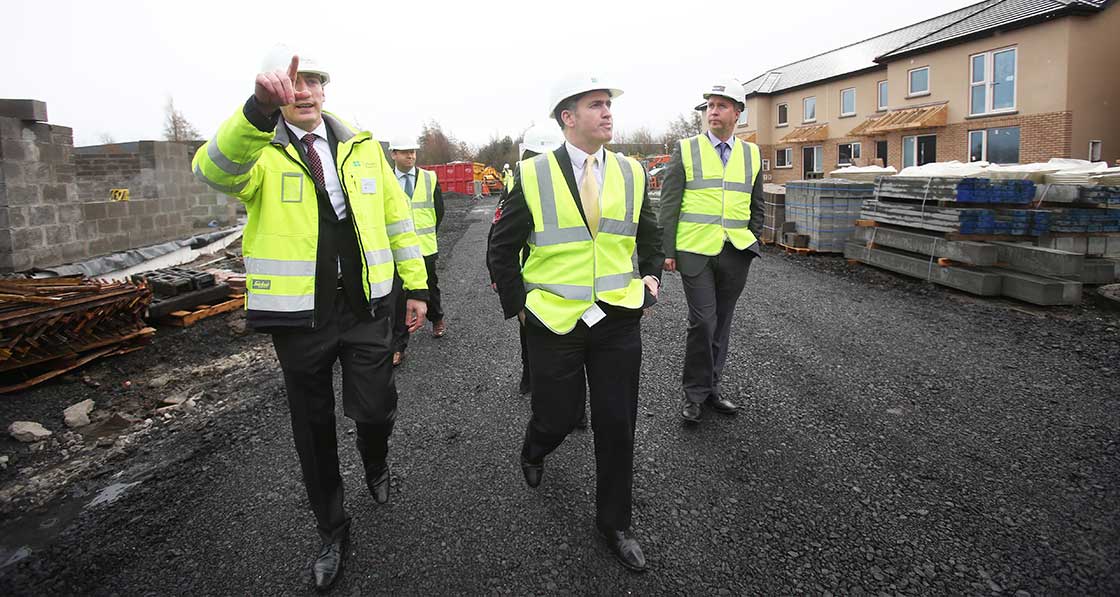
(584, 212)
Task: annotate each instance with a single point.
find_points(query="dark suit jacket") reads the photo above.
(672, 194)
(511, 232)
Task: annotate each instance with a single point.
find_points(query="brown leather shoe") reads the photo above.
(439, 328)
(397, 358)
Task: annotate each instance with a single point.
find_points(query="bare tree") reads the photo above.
(437, 147)
(106, 138)
(175, 125)
(682, 128)
(498, 151)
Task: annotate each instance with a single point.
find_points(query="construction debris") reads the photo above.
(77, 415)
(28, 432)
(52, 325)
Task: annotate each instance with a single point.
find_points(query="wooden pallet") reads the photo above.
(184, 318)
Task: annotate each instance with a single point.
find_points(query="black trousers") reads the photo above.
(369, 397)
(711, 295)
(606, 359)
(526, 373)
(435, 304)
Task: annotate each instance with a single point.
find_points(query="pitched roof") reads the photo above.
(867, 54)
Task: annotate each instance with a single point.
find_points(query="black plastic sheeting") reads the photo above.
(125, 259)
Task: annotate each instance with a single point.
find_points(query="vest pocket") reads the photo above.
(291, 187)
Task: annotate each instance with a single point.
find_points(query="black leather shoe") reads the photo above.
(532, 472)
(722, 405)
(379, 487)
(690, 411)
(582, 422)
(328, 566)
(625, 547)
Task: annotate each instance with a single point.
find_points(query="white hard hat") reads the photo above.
(541, 138)
(280, 56)
(576, 85)
(728, 87)
(403, 144)
(505, 166)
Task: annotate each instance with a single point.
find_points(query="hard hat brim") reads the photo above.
(613, 92)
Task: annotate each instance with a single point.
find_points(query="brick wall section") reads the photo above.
(1041, 137)
(55, 205)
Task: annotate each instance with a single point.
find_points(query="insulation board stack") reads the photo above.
(826, 210)
(774, 201)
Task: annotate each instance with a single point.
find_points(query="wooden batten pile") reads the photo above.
(989, 237)
(52, 325)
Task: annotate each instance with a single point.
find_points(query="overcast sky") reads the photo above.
(479, 68)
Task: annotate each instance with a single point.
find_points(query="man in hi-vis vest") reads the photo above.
(584, 212)
(327, 226)
(711, 212)
(426, 202)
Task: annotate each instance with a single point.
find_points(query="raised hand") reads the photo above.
(278, 88)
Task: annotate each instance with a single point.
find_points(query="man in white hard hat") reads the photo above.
(327, 227)
(711, 212)
(426, 202)
(507, 175)
(584, 212)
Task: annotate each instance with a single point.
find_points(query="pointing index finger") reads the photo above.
(293, 69)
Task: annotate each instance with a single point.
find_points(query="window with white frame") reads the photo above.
(783, 114)
(848, 153)
(848, 101)
(783, 158)
(810, 109)
(995, 145)
(742, 117)
(1095, 151)
(918, 81)
(992, 78)
(882, 99)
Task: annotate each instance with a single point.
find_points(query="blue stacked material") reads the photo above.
(983, 190)
(1086, 220)
(1104, 195)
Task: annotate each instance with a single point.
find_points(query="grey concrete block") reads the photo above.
(1039, 260)
(117, 209)
(28, 238)
(18, 216)
(54, 193)
(70, 213)
(24, 109)
(967, 279)
(969, 252)
(43, 215)
(75, 251)
(22, 194)
(46, 256)
(21, 261)
(94, 211)
(5, 241)
(60, 235)
(1098, 271)
(109, 226)
(1038, 290)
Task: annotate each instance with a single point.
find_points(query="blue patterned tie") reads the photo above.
(408, 184)
(724, 154)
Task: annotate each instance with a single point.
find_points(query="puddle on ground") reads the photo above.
(21, 537)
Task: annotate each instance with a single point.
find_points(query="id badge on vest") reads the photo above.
(593, 315)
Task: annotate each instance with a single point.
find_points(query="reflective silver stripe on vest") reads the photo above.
(700, 218)
(378, 257)
(227, 165)
(424, 205)
(406, 253)
(735, 223)
(278, 267)
(423, 231)
(380, 289)
(399, 227)
(628, 184)
(612, 226)
(571, 292)
(698, 181)
(613, 282)
(742, 187)
(696, 185)
(552, 234)
(232, 189)
(280, 302)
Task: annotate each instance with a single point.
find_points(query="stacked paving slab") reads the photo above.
(990, 237)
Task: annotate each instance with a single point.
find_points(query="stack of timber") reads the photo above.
(825, 211)
(774, 204)
(52, 325)
(181, 292)
(982, 236)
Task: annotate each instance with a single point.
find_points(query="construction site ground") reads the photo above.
(895, 438)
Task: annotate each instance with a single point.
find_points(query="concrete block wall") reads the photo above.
(55, 203)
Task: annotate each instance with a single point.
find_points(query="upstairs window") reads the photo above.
(783, 114)
(810, 109)
(992, 82)
(848, 101)
(919, 81)
(882, 105)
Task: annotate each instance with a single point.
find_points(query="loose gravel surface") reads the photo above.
(896, 438)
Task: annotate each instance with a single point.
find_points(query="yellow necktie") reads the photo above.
(589, 194)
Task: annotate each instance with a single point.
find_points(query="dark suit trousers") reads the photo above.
(369, 397)
(711, 295)
(607, 359)
(435, 304)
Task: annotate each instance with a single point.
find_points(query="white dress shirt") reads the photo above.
(401, 175)
(579, 158)
(330, 173)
